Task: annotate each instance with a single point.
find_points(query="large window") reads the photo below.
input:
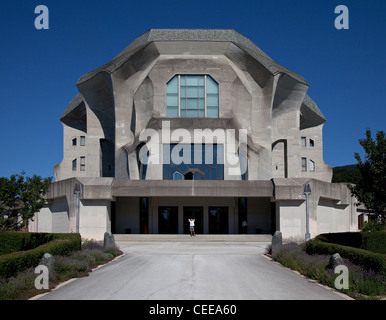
(192, 96)
(193, 162)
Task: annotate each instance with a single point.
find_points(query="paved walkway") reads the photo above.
(193, 271)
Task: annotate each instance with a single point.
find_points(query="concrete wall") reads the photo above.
(127, 214)
(119, 104)
(94, 219)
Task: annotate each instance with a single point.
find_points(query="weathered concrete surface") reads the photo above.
(193, 271)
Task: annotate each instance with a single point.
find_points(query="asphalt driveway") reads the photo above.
(193, 271)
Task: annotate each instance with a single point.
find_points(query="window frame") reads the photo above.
(177, 94)
(83, 163)
(304, 164)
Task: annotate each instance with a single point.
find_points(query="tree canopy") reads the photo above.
(20, 198)
(370, 190)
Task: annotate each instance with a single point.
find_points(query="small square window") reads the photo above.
(82, 140)
(82, 163)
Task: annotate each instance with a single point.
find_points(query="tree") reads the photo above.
(20, 198)
(371, 187)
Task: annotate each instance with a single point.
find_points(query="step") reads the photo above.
(187, 238)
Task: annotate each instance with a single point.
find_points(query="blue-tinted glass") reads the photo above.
(172, 100)
(201, 104)
(172, 112)
(191, 113)
(212, 100)
(197, 176)
(191, 80)
(192, 92)
(211, 85)
(194, 159)
(192, 103)
(183, 92)
(177, 176)
(172, 86)
(212, 112)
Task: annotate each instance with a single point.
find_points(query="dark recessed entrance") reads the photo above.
(218, 220)
(168, 220)
(193, 213)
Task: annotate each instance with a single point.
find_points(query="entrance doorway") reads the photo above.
(193, 213)
(168, 220)
(218, 220)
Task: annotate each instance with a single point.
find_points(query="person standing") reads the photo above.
(192, 232)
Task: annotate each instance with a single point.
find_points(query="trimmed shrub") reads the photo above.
(374, 241)
(368, 260)
(13, 241)
(371, 241)
(62, 244)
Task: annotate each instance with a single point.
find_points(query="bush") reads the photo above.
(361, 281)
(71, 268)
(373, 226)
(62, 244)
(371, 241)
(77, 264)
(366, 259)
(20, 241)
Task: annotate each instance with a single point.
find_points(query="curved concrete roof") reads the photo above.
(204, 35)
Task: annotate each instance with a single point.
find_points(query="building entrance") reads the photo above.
(168, 220)
(194, 213)
(218, 220)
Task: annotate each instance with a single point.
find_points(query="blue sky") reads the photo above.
(345, 68)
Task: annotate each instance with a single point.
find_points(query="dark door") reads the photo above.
(218, 220)
(193, 213)
(168, 220)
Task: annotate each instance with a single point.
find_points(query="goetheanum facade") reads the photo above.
(193, 124)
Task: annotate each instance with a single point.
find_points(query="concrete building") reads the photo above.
(193, 123)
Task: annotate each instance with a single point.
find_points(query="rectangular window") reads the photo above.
(82, 140)
(82, 163)
(312, 166)
(311, 143)
(304, 164)
(303, 141)
(192, 96)
(74, 165)
(193, 162)
(74, 142)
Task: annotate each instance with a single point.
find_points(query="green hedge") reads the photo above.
(61, 244)
(364, 258)
(20, 241)
(371, 241)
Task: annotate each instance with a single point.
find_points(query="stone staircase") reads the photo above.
(124, 238)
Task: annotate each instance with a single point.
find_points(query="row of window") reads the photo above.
(311, 165)
(82, 141)
(82, 164)
(304, 142)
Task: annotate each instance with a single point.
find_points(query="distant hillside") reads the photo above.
(349, 173)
